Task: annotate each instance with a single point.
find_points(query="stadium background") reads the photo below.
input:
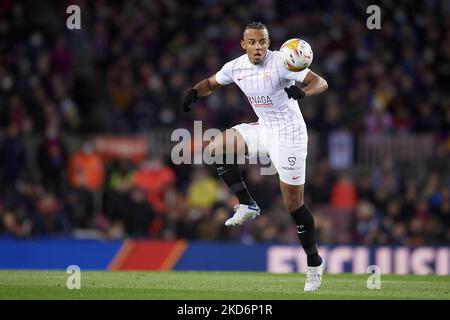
(86, 118)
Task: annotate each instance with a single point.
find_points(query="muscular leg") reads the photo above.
(292, 196)
(229, 145)
(293, 201)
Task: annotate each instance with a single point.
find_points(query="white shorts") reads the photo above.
(288, 160)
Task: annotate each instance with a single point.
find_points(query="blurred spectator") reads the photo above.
(416, 236)
(366, 223)
(158, 180)
(18, 213)
(139, 215)
(126, 206)
(320, 183)
(61, 59)
(203, 192)
(79, 206)
(52, 160)
(86, 168)
(343, 193)
(378, 121)
(213, 228)
(264, 229)
(439, 162)
(118, 187)
(12, 156)
(50, 218)
(403, 121)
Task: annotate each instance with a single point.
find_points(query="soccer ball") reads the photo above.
(296, 54)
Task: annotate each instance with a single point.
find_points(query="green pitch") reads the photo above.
(214, 285)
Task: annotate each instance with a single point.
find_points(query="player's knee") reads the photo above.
(293, 204)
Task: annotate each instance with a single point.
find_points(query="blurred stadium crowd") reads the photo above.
(125, 72)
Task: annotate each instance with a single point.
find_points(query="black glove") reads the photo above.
(190, 97)
(295, 92)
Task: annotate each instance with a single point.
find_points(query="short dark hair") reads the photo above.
(256, 25)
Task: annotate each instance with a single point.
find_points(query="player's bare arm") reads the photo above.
(201, 89)
(206, 86)
(314, 84)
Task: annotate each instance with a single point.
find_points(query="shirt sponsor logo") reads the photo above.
(260, 101)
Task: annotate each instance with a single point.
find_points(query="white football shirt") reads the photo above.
(264, 84)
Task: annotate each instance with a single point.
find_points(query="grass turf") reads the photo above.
(16, 284)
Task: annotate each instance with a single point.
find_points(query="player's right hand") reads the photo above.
(190, 97)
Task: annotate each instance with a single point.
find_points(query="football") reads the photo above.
(296, 54)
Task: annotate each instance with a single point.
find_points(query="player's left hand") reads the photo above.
(295, 92)
(190, 97)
